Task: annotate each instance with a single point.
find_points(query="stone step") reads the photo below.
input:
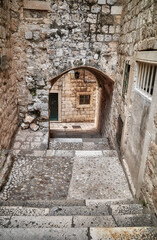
(75, 221)
(72, 210)
(129, 233)
(134, 220)
(23, 211)
(74, 134)
(126, 209)
(77, 210)
(44, 203)
(102, 202)
(56, 221)
(44, 233)
(140, 233)
(79, 144)
(123, 209)
(70, 202)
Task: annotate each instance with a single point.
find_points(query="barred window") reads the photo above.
(146, 78)
(84, 99)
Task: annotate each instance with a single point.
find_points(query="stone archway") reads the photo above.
(105, 84)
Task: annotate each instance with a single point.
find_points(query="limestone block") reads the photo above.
(28, 35)
(101, 2)
(111, 2)
(95, 8)
(105, 9)
(105, 29)
(108, 38)
(116, 10)
(34, 127)
(100, 37)
(24, 126)
(92, 18)
(111, 29)
(29, 119)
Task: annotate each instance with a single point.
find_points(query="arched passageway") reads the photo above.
(81, 95)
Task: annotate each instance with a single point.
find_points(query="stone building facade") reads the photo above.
(77, 97)
(134, 110)
(42, 40)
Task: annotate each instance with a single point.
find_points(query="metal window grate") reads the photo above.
(146, 78)
(84, 99)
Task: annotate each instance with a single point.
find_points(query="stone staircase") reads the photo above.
(76, 219)
(98, 205)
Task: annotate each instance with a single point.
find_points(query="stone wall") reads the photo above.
(138, 33)
(9, 19)
(69, 89)
(62, 36)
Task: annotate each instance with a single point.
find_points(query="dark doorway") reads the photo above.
(53, 103)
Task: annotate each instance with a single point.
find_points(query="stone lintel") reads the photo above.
(37, 5)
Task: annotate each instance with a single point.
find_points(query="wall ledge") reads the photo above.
(37, 5)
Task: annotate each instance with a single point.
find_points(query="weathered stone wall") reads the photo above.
(9, 20)
(69, 90)
(138, 33)
(65, 35)
(149, 186)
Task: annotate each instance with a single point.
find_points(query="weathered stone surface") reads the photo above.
(89, 172)
(28, 35)
(23, 211)
(138, 220)
(34, 127)
(24, 126)
(140, 233)
(79, 210)
(54, 234)
(7, 161)
(96, 221)
(37, 222)
(29, 119)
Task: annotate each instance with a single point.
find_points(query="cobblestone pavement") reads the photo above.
(73, 168)
(38, 178)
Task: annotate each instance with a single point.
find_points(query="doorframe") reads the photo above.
(59, 105)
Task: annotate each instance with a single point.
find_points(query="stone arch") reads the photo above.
(103, 79)
(106, 84)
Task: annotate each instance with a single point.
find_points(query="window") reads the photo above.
(126, 78)
(146, 78)
(84, 99)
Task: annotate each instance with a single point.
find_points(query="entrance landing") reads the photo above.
(72, 126)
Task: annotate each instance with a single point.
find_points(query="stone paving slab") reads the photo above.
(65, 145)
(44, 234)
(43, 203)
(65, 153)
(28, 140)
(127, 209)
(23, 211)
(138, 220)
(88, 153)
(132, 233)
(79, 210)
(98, 178)
(36, 222)
(68, 140)
(103, 202)
(94, 221)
